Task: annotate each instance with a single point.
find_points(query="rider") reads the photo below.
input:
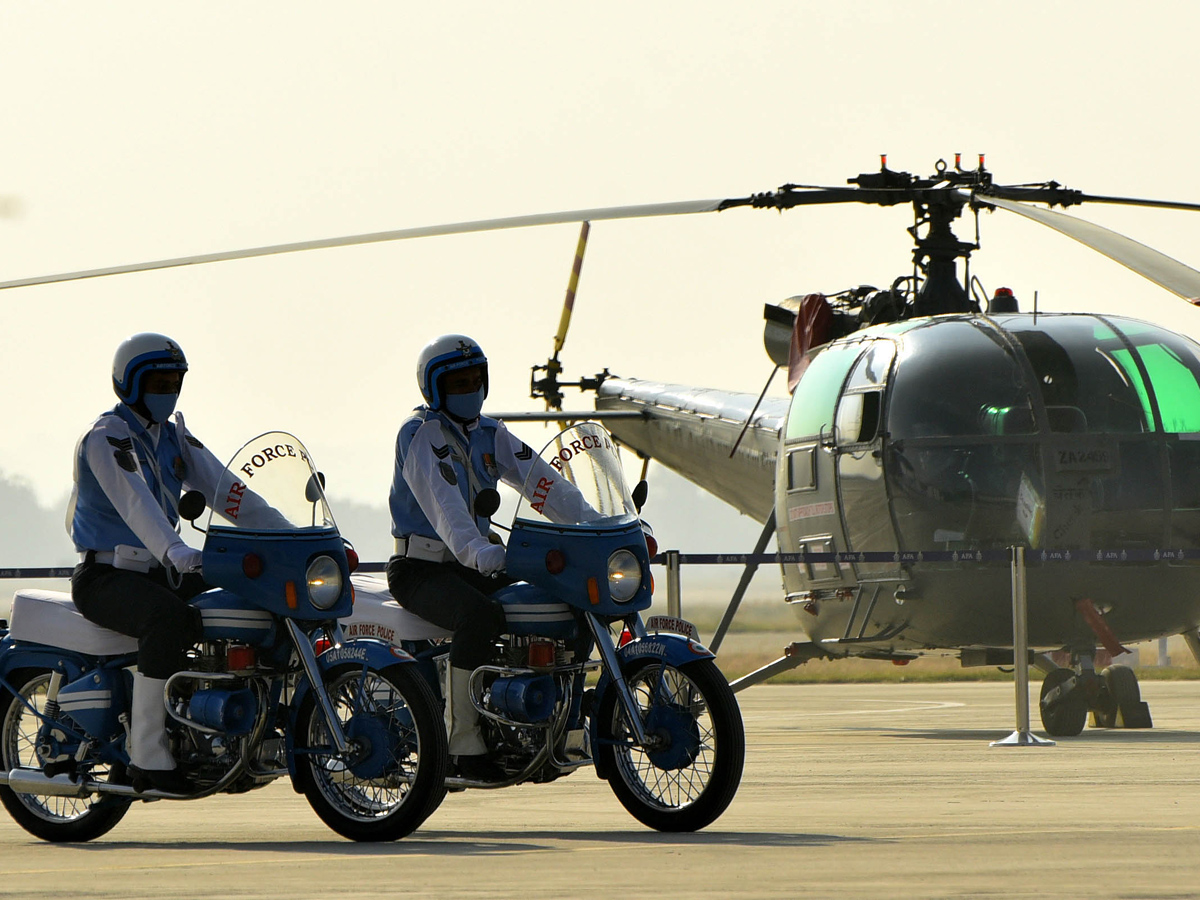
(135, 573)
(445, 565)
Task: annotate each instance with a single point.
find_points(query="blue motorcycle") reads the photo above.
(652, 712)
(273, 690)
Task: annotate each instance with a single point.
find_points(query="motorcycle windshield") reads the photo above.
(271, 485)
(577, 480)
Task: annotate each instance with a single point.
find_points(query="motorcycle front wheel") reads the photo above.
(395, 778)
(688, 777)
(57, 819)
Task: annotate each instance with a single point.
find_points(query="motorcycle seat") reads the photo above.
(377, 615)
(51, 618)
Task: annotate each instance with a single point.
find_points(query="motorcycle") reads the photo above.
(660, 722)
(274, 689)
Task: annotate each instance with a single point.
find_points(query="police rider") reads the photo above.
(445, 565)
(135, 573)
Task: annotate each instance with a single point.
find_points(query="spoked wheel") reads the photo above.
(688, 776)
(395, 778)
(55, 819)
(1064, 711)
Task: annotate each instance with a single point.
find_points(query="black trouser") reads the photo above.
(453, 597)
(144, 606)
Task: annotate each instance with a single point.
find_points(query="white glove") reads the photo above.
(184, 558)
(490, 559)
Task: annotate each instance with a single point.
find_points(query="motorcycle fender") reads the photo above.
(368, 652)
(673, 649)
(14, 657)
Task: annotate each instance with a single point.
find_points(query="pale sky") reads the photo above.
(136, 131)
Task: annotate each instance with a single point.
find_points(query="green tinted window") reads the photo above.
(1175, 388)
(817, 393)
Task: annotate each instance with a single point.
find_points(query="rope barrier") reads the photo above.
(907, 557)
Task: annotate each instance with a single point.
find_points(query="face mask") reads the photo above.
(160, 406)
(465, 406)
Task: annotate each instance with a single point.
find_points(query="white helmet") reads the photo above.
(442, 355)
(140, 354)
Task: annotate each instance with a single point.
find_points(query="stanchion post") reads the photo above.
(1022, 737)
(673, 598)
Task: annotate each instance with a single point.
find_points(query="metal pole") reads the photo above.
(1022, 737)
(673, 601)
(748, 573)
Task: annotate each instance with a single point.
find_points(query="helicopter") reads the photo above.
(929, 429)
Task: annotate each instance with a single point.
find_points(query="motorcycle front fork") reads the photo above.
(612, 664)
(308, 659)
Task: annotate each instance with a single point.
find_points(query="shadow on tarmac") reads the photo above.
(474, 843)
(1088, 737)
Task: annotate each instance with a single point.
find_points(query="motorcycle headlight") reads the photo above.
(624, 576)
(324, 582)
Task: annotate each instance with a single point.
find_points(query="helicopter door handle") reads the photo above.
(827, 440)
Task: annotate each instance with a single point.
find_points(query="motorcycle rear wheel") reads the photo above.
(687, 782)
(401, 778)
(56, 819)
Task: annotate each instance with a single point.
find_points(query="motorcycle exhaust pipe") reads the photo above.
(32, 781)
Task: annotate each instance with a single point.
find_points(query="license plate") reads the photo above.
(673, 625)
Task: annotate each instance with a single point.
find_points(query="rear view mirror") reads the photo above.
(487, 502)
(191, 505)
(639, 495)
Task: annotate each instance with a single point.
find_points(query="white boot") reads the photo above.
(148, 746)
(462, 718)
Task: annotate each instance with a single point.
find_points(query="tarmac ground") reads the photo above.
(864, 790)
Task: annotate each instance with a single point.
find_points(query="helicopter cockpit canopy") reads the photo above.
(1050, 373)
(1060, 430)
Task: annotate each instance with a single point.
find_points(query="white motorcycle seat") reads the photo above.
(377, 615)
(50, 617)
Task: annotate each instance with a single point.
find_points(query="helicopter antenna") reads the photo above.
(750, 418)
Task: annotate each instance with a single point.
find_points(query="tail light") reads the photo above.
(652, 545)
(320, 645)
(556, 561)
(351, 559)
(625, 638)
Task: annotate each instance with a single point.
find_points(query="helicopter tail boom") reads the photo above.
(695, 431)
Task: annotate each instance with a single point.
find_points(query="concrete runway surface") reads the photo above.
(849, 791)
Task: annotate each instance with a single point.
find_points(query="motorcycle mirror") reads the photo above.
(487, 502)
(312, 490)
(639, 495)
(191, 505)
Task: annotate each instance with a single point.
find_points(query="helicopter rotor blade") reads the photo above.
(564, 321)
(1164, 271)
(582, 215)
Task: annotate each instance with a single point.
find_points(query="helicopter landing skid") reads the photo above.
(794, 655)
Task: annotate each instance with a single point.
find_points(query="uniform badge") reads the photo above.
(447, 471)
(489, 464)
(124, 453)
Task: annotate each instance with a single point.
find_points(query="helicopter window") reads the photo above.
(872, 368)
(816, 395)
(858, 417)
(801, 472)
(1175, 374)
(1087, 377)
(955, 379)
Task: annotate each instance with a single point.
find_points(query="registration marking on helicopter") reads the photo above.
(810, 510)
